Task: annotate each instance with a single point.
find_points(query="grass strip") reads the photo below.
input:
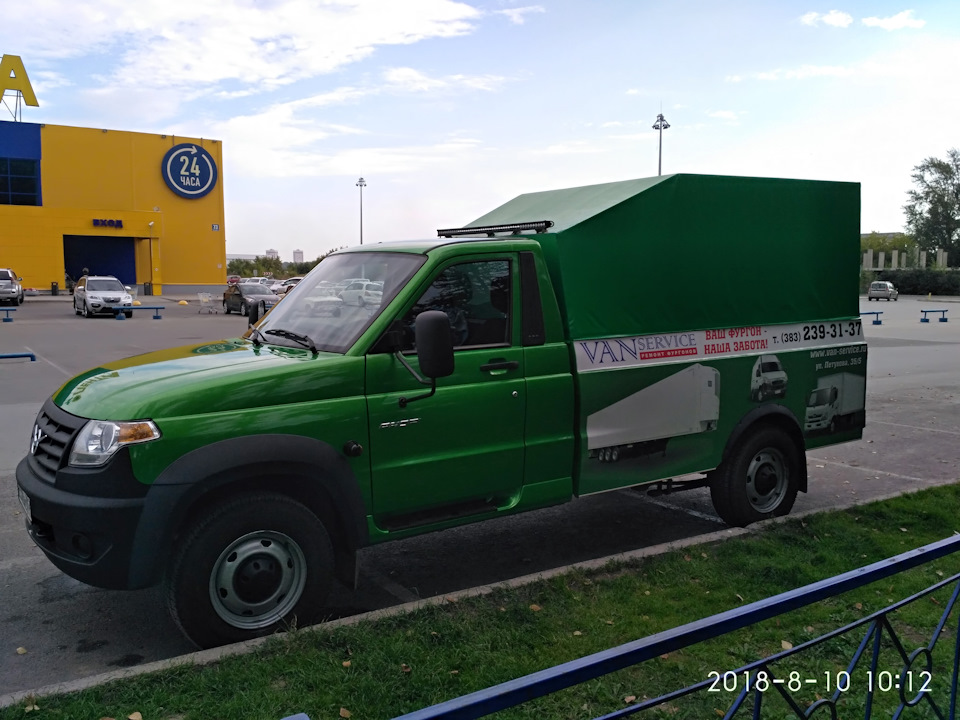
(380, 669)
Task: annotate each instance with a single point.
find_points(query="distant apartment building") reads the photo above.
(273, 254)
(298, 256)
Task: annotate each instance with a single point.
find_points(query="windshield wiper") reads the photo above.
(296, 337)
(255, 336)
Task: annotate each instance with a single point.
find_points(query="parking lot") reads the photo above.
(71, 631)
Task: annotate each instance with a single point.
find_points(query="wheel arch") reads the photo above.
(305, 469)
(770, 415)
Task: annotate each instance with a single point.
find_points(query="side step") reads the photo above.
(436, 515)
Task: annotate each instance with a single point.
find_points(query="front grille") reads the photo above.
(111, 299)
(58, 429)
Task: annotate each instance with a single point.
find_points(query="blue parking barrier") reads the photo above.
(4, 356)
(876, 315)
(924, 318)
(8, 311)
(156, 311)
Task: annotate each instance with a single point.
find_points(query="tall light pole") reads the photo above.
(361, 183)
(661, 124)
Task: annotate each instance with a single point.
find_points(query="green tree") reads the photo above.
(933, 210)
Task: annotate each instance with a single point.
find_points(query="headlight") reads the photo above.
(100, 439)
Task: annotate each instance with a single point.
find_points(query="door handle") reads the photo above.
(500, 365)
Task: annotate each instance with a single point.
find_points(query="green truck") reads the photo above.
(569, 342)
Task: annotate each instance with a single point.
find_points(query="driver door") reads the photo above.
(459, 452)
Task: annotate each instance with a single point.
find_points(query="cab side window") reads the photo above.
(475, 297)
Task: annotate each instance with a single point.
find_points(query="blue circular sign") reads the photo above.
(189, 170)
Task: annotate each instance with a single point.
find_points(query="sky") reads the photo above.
(449, 109)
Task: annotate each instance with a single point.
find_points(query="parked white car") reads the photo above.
(882, 289)
(362, 293)
(96, 294)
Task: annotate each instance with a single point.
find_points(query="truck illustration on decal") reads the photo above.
(836, 403)
(768, 379)
(684, 403)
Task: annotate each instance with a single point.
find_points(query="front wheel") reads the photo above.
(87, 312)
(758, 480)
(255, 565)
(244, 310)
(226, 308)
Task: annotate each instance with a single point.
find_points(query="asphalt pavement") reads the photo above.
(71, 631)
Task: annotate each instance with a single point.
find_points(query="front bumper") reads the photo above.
(89, 538)
(98, 525)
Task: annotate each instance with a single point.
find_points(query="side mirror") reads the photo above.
(434, 344)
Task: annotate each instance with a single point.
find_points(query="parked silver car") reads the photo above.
(882, 289)
(101, 294)
(11, 291)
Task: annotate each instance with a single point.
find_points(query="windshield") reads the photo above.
(105, 286)
(321, 308)
(770, 367)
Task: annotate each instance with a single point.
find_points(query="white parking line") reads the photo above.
(869, 470)
(50, 363)
(393, 588)
(695, 513)
(914, 427)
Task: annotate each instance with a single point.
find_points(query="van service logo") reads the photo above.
(615, 353)
(189, 170)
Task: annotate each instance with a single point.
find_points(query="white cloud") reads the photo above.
(516, 15)
(199, 45)
(728, 115)
(834, 18)
(633, 91)
(899, 21)
(410, 80)
(733, 78)
(805, 72)
(574, 147)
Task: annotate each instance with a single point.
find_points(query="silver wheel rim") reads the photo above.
(257, 580)
(766, 480)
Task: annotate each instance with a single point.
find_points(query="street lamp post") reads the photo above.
(361, 183)
(661, 124)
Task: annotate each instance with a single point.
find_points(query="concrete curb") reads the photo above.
(209, 657)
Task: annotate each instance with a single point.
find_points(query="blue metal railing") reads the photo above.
(912, 680)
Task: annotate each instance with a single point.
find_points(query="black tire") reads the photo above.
(226, 308)
(244, 310)
(758, 480)
(87, 312)
(255, 313)
(257, 564)
(20, 300)
(128, 313)
(76, 310)
(360, 301)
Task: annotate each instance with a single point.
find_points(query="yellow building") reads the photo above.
(145, 208)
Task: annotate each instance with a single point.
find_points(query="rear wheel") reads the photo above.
(250, 567)
(128, 313)
(758, 480)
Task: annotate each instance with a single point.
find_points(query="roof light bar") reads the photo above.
(540, 226)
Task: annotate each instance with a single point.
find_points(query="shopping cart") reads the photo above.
(206, 303)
